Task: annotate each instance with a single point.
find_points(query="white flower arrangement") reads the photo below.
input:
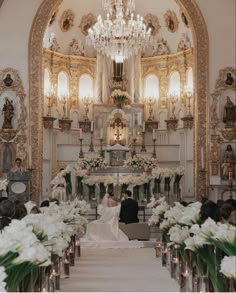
(158, 212)
(179, 171)
(3, 184)
(139, 162)
(89, 163)
(121, 97)
(3, 277)
(19, 238)
(167, 173)
(191, 214)
(178, 234)
(82, 206)
(228, 267)
(172, 216)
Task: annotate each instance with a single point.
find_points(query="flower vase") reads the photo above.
(163, 254)
(185, 277)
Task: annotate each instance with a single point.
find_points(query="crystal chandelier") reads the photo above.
(120, 35)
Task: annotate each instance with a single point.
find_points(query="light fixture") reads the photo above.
(121, 35)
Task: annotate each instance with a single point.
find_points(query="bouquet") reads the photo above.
(121, 97)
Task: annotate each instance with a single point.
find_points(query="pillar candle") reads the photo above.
(143, 126)
(91, 126)
(153, 133)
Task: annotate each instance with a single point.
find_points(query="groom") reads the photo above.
(129, 209)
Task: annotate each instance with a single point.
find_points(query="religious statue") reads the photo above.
(8, 80)
(184, 43)
(229, 116)
(8, 112)
(54, 46)
(228, 163)
(162, 48)
(77, 48)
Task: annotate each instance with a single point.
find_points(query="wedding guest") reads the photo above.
(7, 211)
(20, 210)
(232, 218)
(225, 212)
(31, 208)
(232, 202)
(209, 210)
(45, 203)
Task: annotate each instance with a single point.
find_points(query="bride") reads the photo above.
(106, 228)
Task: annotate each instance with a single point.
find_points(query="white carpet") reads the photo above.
(111, 244)
(119, 270)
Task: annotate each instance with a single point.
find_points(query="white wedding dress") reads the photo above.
(105, 232)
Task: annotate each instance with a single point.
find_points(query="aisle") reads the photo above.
(102, 270)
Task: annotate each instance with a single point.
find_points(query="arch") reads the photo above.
(201, 77)
(174, 83)
(85, 86)
(152, 87)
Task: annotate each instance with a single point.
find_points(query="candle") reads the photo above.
(143, 126)
(80, 133)
(153, 133)
(30, 157)
(91, 126)
(101, 133)
(202, 159)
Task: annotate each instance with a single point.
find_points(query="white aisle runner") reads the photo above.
(111, 244)
(119, 270)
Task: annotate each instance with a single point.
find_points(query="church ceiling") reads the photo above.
(82, 13)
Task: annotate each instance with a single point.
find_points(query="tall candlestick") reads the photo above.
(143, 126)
(91, 126)
(134, 133)
(101, 133)
(202, 158)
(80, 133)
(153, 133)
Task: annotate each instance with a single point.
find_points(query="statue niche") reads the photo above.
(8, 112)
(118, 80)
(118, 128)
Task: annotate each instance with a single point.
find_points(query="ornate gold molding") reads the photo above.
(16, 136)
(201, 74)
(219, 134)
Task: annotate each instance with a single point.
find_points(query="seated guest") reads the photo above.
(20, 210)
(225, 212)
(55, 200)
(209, 210)
(31, 208)
(45, 203)
(232, 202)
(232, 218)
(129, 209)
(7, 211)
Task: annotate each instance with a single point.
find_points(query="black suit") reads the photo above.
(129, 211)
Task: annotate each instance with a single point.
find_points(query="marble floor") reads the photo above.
(118, 270)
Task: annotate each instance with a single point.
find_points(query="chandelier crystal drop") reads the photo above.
(120, 36)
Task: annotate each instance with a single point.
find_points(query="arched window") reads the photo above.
(62, 85)
(174, 84)
(47, 83)
(152, 87)
(189, 84)
(85, 86)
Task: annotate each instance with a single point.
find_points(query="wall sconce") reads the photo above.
(150, 101)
